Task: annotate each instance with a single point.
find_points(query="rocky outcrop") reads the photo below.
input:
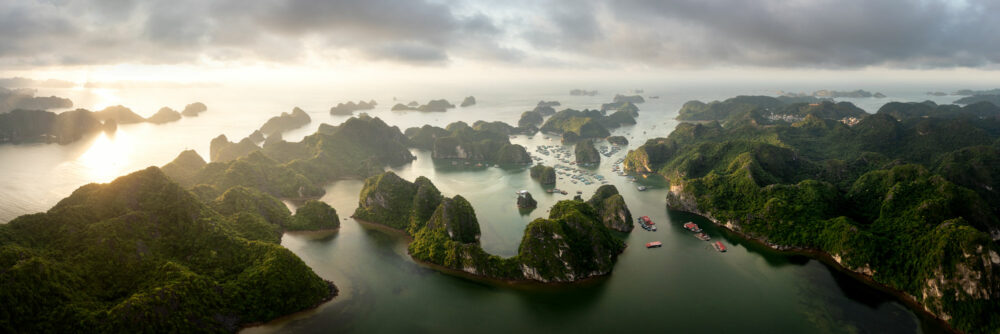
(350, 107)
(530, 118)
(618, 140)
(571, 245)
(184, 167)
(22, 126)
(194, 109)
(545, 175)
(468, 101)
(513, 154)
(457, 218)
(628, 98)
(164, 115)
(585, 152)
(119, 114)
(582, 92)
(610, 207)
(525, 201)
(314, 215)
(222, 150)
(431, 106)
(286, 121)
(387, 199)
(549, 104)
(25, 99)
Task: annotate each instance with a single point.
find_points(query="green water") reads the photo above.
(685, 286)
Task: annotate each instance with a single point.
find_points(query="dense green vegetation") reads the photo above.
(530, 118)
(991, 98)
(570, 245)
(485, 142)
(618, 140)
(222, 150)
(544, 174)
(142, 254)
(586, 153)
(359, 147)
(583, 124)
(314, 215)
(905, 196)
(766, 109)
(611, 209)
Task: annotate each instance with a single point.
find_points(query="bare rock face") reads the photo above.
(525, 201)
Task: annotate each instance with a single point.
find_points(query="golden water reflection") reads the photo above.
(107, 157)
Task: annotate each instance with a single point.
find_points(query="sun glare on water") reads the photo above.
(107, 157)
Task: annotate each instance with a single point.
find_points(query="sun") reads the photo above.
(107, 156)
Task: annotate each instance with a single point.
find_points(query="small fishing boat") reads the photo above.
(703, 236)
(719, 246)
(654, 244)
(690, 226)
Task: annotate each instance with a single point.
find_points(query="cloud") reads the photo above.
(779, 33)
(553, 33)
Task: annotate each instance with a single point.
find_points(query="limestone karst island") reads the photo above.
(470, 166)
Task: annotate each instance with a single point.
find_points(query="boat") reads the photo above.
(719, 246)
(642, 188)
(647, 223)
(654, 244)
(690, 226)
(703, 236)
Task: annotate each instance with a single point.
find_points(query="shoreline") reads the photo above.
(525, 283)
(830, 261)
(334, 292)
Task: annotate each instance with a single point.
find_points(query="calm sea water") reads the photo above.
(685, 286)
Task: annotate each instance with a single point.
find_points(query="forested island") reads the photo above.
(143, 254)
(27, 126)
(483, 142)
(574, 243)
(906, 196)
(23, 98)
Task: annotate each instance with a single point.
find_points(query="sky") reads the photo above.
(204, 41)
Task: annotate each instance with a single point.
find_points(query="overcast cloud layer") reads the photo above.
(677, 33)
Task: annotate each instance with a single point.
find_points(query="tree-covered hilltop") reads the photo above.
(768, 109)
(991, 98)
(905, 196)
(545, 175)
(572, 244)
(611, 209)
(485, 142)
(359, 147)
(575, 124)
(142, 254)
(585, 153)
